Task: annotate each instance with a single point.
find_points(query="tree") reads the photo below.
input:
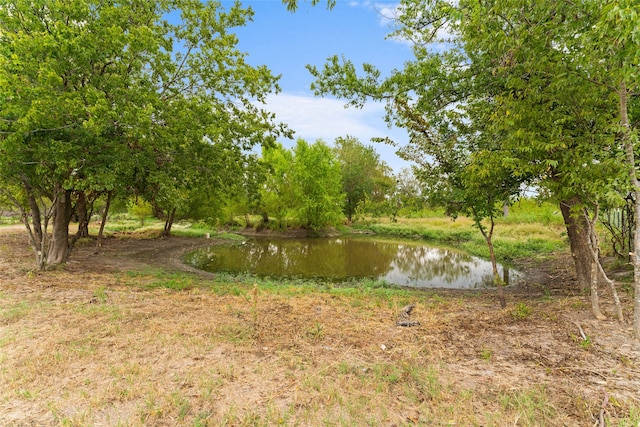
(242, 191)
(557, 116)
(276, 192)
(317, 193)
(523, 79)
(140, 208)
(434, 98)
(461, 171)
(302, 183)
(612, 63)
(554, 126)
(409, 193)
(364, 175)
(100, 95)
(292, 5)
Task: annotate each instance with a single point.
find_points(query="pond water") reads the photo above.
(398, 262)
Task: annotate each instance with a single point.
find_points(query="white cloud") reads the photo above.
(323, 118)
(387, 12)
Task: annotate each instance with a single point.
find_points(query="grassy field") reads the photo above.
(124, 337)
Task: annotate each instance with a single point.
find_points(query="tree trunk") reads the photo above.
(594, 248)
(264, 221)
(83, 216)
(104, 217)
(597, 271)
(37, 236)
(496, 276)
(635, 185)
(169, 223)
(59, 248)
(38, 231)
(158, 212)
(497, 280)
(577, 230)
(614, 292)
(593, 292)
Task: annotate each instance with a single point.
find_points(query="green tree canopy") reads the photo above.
(497, 98)
(317, 193)
(276, 192)
(364, 175)
(409, 192)
(302, 183)
(98, 95)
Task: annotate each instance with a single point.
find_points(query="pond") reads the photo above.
(398, 262)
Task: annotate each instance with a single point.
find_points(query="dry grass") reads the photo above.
(95, 346)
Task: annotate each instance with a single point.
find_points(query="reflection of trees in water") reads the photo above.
(423, 263)
(203, 259)
(334, 258)
(487, 280)
(406, 264)
(367, 258)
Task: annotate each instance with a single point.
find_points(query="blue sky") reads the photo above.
(286, 42)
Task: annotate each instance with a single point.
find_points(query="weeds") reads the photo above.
(254, 310)
(237, 334)
(15, 312)
(632, 420)
(521, 311)
(316, 332)
(584, 343)
(181, 403)
(531, 406)
(100, 294)
(486, 354)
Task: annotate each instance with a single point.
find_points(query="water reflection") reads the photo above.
(402, 263)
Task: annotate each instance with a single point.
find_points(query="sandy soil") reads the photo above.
(90, 345)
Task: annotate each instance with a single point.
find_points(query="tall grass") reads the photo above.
(528, 211)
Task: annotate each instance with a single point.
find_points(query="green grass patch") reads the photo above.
(154, 279)
(191, 232)
(532, 211)
(229, 236)
(532, 406)
(121, 224)
(14, 312)
(632, 420)
(177, 284)
(242, 284)
(521, 311)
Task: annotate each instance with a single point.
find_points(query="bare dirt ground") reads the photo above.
(97, 343)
